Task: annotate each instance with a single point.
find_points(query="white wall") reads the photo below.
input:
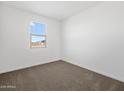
(0, 35)
(94, 39)
(16, 40)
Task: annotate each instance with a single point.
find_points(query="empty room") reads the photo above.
(61, 45)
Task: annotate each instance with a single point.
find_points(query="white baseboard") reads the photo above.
(27, 66)
(99, 72)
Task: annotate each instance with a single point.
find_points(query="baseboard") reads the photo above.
(33, 65)
(98, 72)
(65, 60)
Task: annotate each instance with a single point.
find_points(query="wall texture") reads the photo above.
(94, 39)
(16, 52)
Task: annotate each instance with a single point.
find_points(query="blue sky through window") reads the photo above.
(37, 39)
(38, 28)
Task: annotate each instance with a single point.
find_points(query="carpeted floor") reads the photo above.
(57, 76)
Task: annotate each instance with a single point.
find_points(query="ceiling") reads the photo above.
(54, 9)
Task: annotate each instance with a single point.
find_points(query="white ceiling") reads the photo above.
(55, 9)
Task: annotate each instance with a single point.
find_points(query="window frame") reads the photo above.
(45, 36)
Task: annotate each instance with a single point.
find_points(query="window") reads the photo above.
(38, 35)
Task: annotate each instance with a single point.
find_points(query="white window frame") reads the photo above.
(45, 36)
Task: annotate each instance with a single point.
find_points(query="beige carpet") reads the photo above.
(57, 76)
